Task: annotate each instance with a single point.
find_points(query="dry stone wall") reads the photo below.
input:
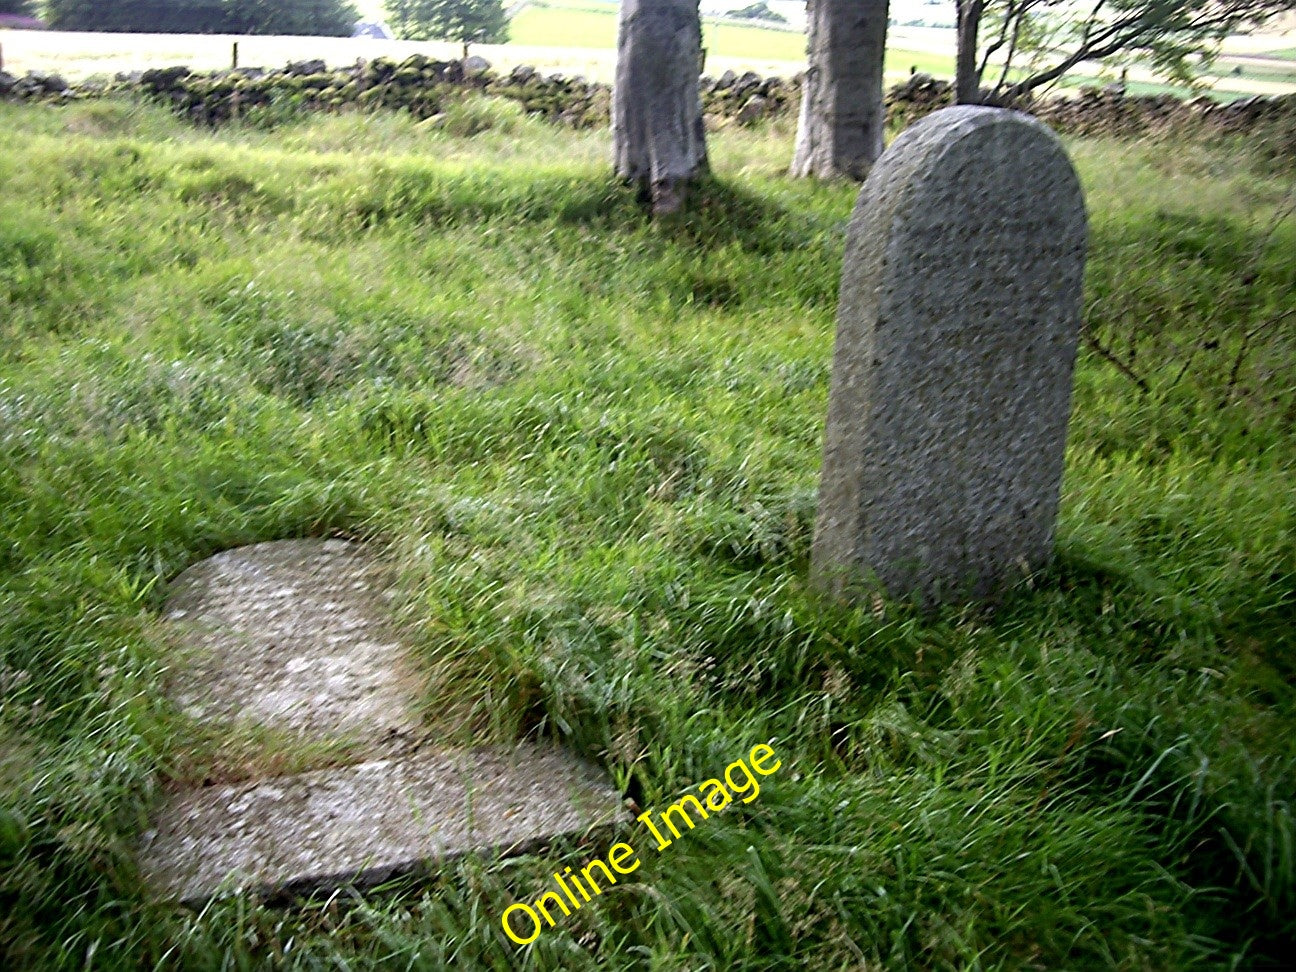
(424, 86)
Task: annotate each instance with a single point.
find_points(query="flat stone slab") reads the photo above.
(292, 635)
(295, 636)
(364, 824)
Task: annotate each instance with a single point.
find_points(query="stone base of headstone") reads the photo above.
(292, 635)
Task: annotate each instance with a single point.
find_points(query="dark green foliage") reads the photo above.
(322, 17)
(465, 21)
(158, 16)
(328, 18)
(20, 8)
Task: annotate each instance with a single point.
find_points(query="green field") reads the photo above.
(1139, 88)
(571, 36)
(545, 27)
(595, 25)
(591, 445)
(1281, 72)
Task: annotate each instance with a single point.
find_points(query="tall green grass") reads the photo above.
(591, 444)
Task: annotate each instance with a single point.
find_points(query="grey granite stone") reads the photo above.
(956, 340)
(295, 636)
(364, 824)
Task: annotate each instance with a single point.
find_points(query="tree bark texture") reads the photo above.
(843, 114)
(967, 77)
(657, 134)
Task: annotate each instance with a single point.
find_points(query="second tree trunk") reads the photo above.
(842, 111)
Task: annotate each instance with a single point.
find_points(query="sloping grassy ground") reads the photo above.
(592, 445)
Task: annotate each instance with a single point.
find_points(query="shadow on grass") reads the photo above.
(717, 213)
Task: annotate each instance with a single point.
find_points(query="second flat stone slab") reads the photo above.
(361, 825)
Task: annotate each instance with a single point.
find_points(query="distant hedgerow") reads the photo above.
(309, 17)
(332, 18)
(464, 21)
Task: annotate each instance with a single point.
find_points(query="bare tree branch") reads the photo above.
(1007, 65)
(1086, 52)
(1010, 18)
(1166, 29)
(1121, 366)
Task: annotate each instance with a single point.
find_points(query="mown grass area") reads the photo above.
(567, 27)
(584, 23)
(1285, 73)
(591, 443)
(589, 24)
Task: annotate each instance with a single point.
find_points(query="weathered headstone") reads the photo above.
(956, 340)
(294, 639)
(292, 636)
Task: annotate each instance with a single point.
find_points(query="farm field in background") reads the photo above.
(595, 25)
(79, 55)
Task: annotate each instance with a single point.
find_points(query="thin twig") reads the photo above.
(1124, 369)
(1285, 209)
(1236, 371)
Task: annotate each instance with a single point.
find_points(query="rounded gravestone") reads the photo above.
(956, 340)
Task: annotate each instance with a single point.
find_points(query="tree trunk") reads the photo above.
(657, 133)
(843, 113)
(967, 79)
